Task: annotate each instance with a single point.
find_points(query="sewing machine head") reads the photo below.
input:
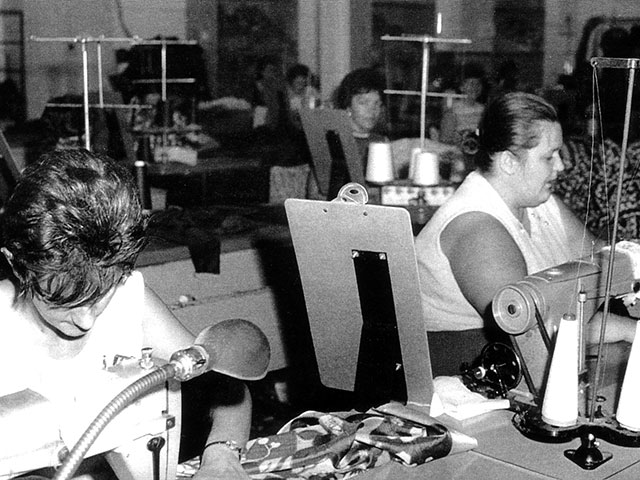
(43, 431)
(576, 287)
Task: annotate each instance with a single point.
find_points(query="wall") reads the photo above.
(565, 20)
(202, 18)
(468, 19)
(54, 69)
(333, 38)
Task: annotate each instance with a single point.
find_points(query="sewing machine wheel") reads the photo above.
(502, 365)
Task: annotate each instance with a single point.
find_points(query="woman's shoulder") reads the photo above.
(474, 226)
(478, 239)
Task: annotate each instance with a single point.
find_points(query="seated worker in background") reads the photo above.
(300, 92)
(269, 96)
(360, 94)
(188, 133)
(273, 122)
(501, 224)
(461, 116)
(72, 231)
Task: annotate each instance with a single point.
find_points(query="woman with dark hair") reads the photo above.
(72, 231)
(463, 115)
(500, 225)
(360, 94)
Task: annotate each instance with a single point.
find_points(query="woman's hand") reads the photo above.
(619, 328)
(220, 463)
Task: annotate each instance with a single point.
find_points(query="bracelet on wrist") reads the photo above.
(229, 444)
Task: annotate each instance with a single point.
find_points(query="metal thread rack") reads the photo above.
(98, 41)
(424, 92)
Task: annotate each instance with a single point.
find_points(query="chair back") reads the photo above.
(333, 149)
(9, 171)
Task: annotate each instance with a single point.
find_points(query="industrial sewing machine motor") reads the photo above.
(496, 371)
(531, 311)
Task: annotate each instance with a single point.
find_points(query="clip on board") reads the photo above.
(360, 280)
(333, 148)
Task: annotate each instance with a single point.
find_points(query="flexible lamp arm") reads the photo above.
(115, 406)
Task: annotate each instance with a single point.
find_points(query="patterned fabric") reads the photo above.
(588, 186)
(335, 446)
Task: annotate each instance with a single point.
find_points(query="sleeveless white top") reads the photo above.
(444, 305)
(116, 332)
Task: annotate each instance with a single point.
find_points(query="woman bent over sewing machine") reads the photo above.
(501, 225)
(72, 231)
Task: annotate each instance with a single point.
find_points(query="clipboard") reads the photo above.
(360, 281)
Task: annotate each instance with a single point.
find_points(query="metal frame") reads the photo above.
(98, 41)
(426, 41)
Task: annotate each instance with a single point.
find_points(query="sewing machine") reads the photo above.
(576, 287)
(531, 311)
(129, 410)
(141, 443)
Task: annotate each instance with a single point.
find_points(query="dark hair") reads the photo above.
(362, 80)
(264, 62)
(507, 75)
(298, 70)
(509, 122)
(473, 70)
(74, 227)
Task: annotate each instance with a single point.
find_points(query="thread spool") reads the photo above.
(144, 152)
(628, 414)
(426, 169)
(412, 161)
(379, 163)
(144, 191)
(560, 405)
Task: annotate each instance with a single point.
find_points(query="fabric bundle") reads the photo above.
(318, 445)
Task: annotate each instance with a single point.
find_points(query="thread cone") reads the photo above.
(560, 405)
(628, 414)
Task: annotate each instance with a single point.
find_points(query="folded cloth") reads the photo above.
(459, 402)
(341, 445)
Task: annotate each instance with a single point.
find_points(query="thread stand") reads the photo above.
(588, 455)
(99, 41)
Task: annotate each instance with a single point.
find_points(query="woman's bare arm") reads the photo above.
(483, 257)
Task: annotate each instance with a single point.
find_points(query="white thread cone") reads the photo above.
(628, 414)
(379, 163)
(560, 405)
(426, 170)
(412, 162)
